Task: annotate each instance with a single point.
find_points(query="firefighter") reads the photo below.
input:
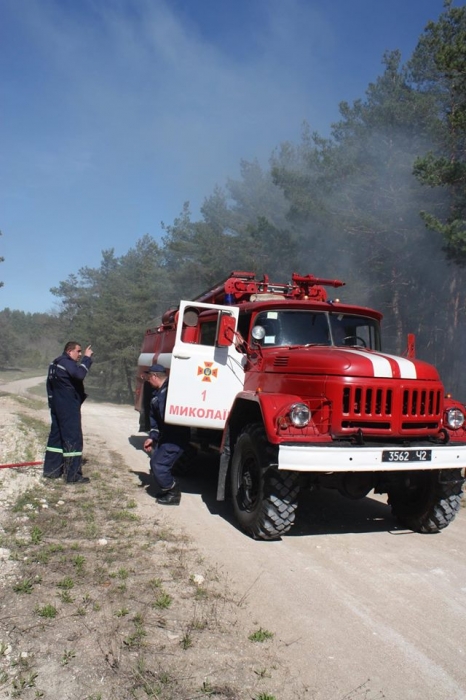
(65, 392)
(166, 443)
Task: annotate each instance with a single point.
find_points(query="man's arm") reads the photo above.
(155, 428)
(77, 371)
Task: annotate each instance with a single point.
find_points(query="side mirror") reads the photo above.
(226, 328)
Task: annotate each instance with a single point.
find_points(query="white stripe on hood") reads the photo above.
(381, 364)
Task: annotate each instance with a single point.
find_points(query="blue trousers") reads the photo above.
(162, 459)
(63, 454)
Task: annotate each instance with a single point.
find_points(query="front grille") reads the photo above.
(387, 409)
(366, 401)
(420, 402)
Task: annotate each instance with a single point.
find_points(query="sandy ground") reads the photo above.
(361, 608)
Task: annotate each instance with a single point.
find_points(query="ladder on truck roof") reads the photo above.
(239, 286)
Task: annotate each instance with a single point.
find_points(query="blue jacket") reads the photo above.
(161, 431)
(65, 379)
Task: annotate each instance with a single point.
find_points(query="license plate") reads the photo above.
(406, 456)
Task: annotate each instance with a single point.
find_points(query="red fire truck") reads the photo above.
(297, 393)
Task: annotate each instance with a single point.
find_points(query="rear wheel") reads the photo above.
(264, 499)
(427, 501)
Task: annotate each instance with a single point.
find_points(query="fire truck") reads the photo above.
(295, 390)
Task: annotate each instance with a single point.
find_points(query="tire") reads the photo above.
(264, 499)
(427, 501)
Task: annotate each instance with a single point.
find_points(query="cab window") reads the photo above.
(207, 332)
(293, 327)
(355, 331)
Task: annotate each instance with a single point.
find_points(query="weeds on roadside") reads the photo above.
(124, 515)
(67, 583)
(262, 673)
(24, 586)
(187, 641)
(48, 611)
(78, 563)
(260, 635)
(36, 535)
(163, 601)
(42, 557)
(201, 593)
(24, 501)
(207, 688)
(22, 682)
(113, 557)
(67, 656)
(135, 640)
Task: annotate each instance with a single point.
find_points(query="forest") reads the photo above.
(380, 204)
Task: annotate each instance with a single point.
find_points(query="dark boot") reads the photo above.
(172, 497)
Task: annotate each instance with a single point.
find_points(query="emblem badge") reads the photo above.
(208, 372)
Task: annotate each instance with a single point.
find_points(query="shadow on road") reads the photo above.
(325, 512)
(137, 441)
(320, 512)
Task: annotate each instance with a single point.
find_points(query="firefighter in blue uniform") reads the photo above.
(166, 442)
(65, 392)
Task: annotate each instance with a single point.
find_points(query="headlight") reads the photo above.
(300, 415)
(455, 418)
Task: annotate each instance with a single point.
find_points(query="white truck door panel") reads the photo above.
(204, 379)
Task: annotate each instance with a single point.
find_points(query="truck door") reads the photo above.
(204, 378)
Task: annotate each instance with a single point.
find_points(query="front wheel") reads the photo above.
(264, 499)
(427, 501)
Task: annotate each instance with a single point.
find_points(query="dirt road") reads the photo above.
(362, 609)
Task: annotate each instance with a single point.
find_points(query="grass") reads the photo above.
(187, 641)
(260, 635)
(67, 583)
(78, 562)
(48, 611)
(68, 655)
(32, 432)
(129, 612)
(24, 586)
(163, 601)
(28, 420)
(36, 535)
(14, 373)
(25, 501)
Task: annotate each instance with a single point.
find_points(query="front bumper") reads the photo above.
(325, 459)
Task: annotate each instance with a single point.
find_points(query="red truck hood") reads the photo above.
(354, 362)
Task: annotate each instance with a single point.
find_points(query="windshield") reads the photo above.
(296, 327)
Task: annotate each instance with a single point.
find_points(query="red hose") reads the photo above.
(20, 464)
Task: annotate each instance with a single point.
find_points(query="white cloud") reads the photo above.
(132, 83)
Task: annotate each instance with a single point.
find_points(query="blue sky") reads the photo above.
(113, 113)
